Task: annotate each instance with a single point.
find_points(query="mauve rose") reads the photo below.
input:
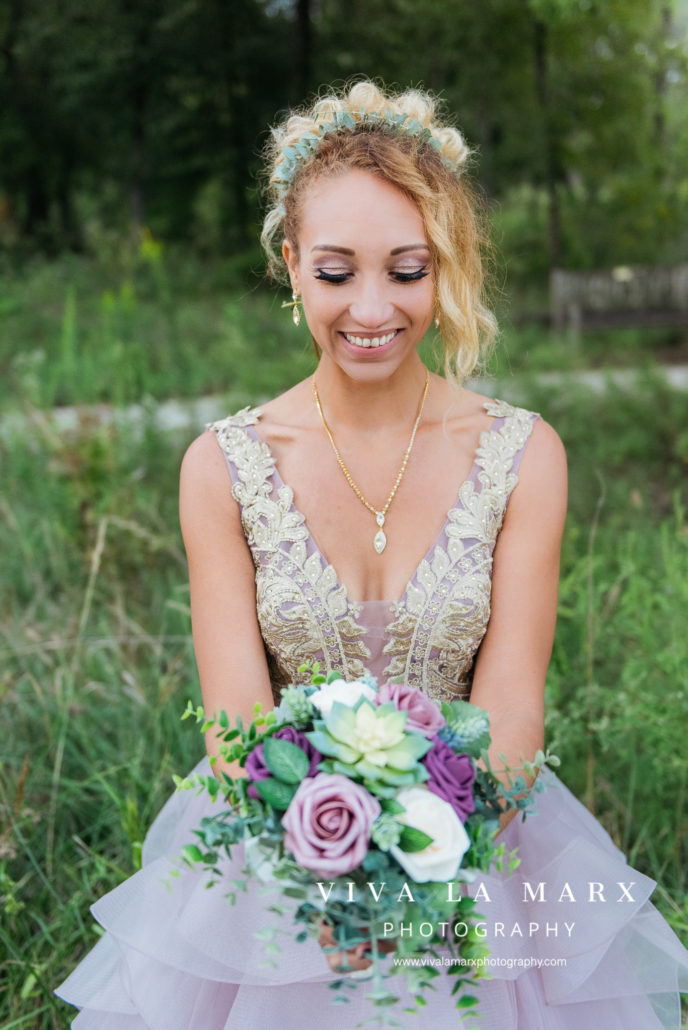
(256, 768)
(451, 777)
(423, 714)
(328, 824)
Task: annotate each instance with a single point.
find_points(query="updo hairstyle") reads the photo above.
(425, 163)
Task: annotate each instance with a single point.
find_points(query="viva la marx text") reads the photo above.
(593, 892)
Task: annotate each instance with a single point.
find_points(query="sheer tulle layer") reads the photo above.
(177, 956)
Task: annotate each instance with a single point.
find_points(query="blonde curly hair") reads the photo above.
(396, 136)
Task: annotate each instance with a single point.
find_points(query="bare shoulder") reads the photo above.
(203, 465)
(544, 456)
(205, 486)
(462, 413)
(284, 418)
(542, 476)
(284, 406)
(472, 402)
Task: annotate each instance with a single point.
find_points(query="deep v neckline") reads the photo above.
(458, 503)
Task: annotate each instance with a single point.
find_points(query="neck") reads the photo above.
(371, 405)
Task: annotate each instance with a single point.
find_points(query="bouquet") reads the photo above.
(369, 808)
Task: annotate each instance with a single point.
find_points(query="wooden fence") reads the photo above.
(620, 297)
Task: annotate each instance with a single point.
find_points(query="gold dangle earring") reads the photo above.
(294, 305)
(436, 320)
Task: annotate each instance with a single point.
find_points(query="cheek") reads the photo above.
(425, 305)
(423, 301)
(320, 307)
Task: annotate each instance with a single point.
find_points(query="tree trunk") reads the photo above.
(138, 101)
(37, 211)
(70, 230)
(542, 88)
(304, 47)
(137, 196)
(660, 80)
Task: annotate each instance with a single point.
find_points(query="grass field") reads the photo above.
(97, 661)
(156, 325)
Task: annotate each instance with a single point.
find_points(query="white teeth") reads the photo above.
(366, 341)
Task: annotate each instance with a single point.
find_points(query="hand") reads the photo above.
(354, 958)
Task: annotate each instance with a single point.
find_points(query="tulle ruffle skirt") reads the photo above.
(575, 943)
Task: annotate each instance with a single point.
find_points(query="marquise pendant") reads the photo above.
(380, 541)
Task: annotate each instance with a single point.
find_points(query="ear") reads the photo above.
(291, 257)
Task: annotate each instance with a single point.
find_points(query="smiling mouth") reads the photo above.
(370, 341)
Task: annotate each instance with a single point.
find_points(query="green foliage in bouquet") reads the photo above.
(416, 785)
(468, 730)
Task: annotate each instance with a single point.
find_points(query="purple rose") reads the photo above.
(328, 824)
(423, 714)
(451, 777)
(257, 769)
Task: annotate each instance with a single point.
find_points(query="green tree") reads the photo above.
(153, 110)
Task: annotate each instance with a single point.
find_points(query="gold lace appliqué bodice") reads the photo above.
(303, 610)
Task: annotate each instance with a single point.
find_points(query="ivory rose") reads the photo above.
(440, 860)
(338, 690)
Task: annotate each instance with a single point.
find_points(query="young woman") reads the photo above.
(386, 520)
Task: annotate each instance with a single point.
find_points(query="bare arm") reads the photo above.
(512, 663)
(229, 649)
(227, 641)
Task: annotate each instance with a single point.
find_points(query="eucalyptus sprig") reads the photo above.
(362, 745)
(296, 155)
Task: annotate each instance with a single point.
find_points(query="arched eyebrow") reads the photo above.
(411, 246)
(333, 250)
(350, 253)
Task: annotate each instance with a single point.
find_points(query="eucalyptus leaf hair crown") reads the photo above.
(296, 154)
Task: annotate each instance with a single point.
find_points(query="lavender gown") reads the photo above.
(180, 958)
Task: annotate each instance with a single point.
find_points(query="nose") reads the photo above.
(371, 308)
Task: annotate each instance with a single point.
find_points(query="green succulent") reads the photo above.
(370, 743)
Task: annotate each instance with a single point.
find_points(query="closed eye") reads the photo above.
(400, 277)
(410, 277)
(332, 277)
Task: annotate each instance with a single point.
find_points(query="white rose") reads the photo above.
(439, 861)
(339, 690)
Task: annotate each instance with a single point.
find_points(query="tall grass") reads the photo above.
(159, 324)
(97, 660)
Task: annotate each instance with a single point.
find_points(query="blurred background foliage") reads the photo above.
(153, 113)
(130, 140)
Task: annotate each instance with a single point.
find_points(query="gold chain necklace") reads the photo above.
(380, 541)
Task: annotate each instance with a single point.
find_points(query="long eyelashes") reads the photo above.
(337, 278)
(332, 277)
(410, 277)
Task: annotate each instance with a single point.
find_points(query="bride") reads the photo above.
(385, 520)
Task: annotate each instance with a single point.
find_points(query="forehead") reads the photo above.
(356, 209)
